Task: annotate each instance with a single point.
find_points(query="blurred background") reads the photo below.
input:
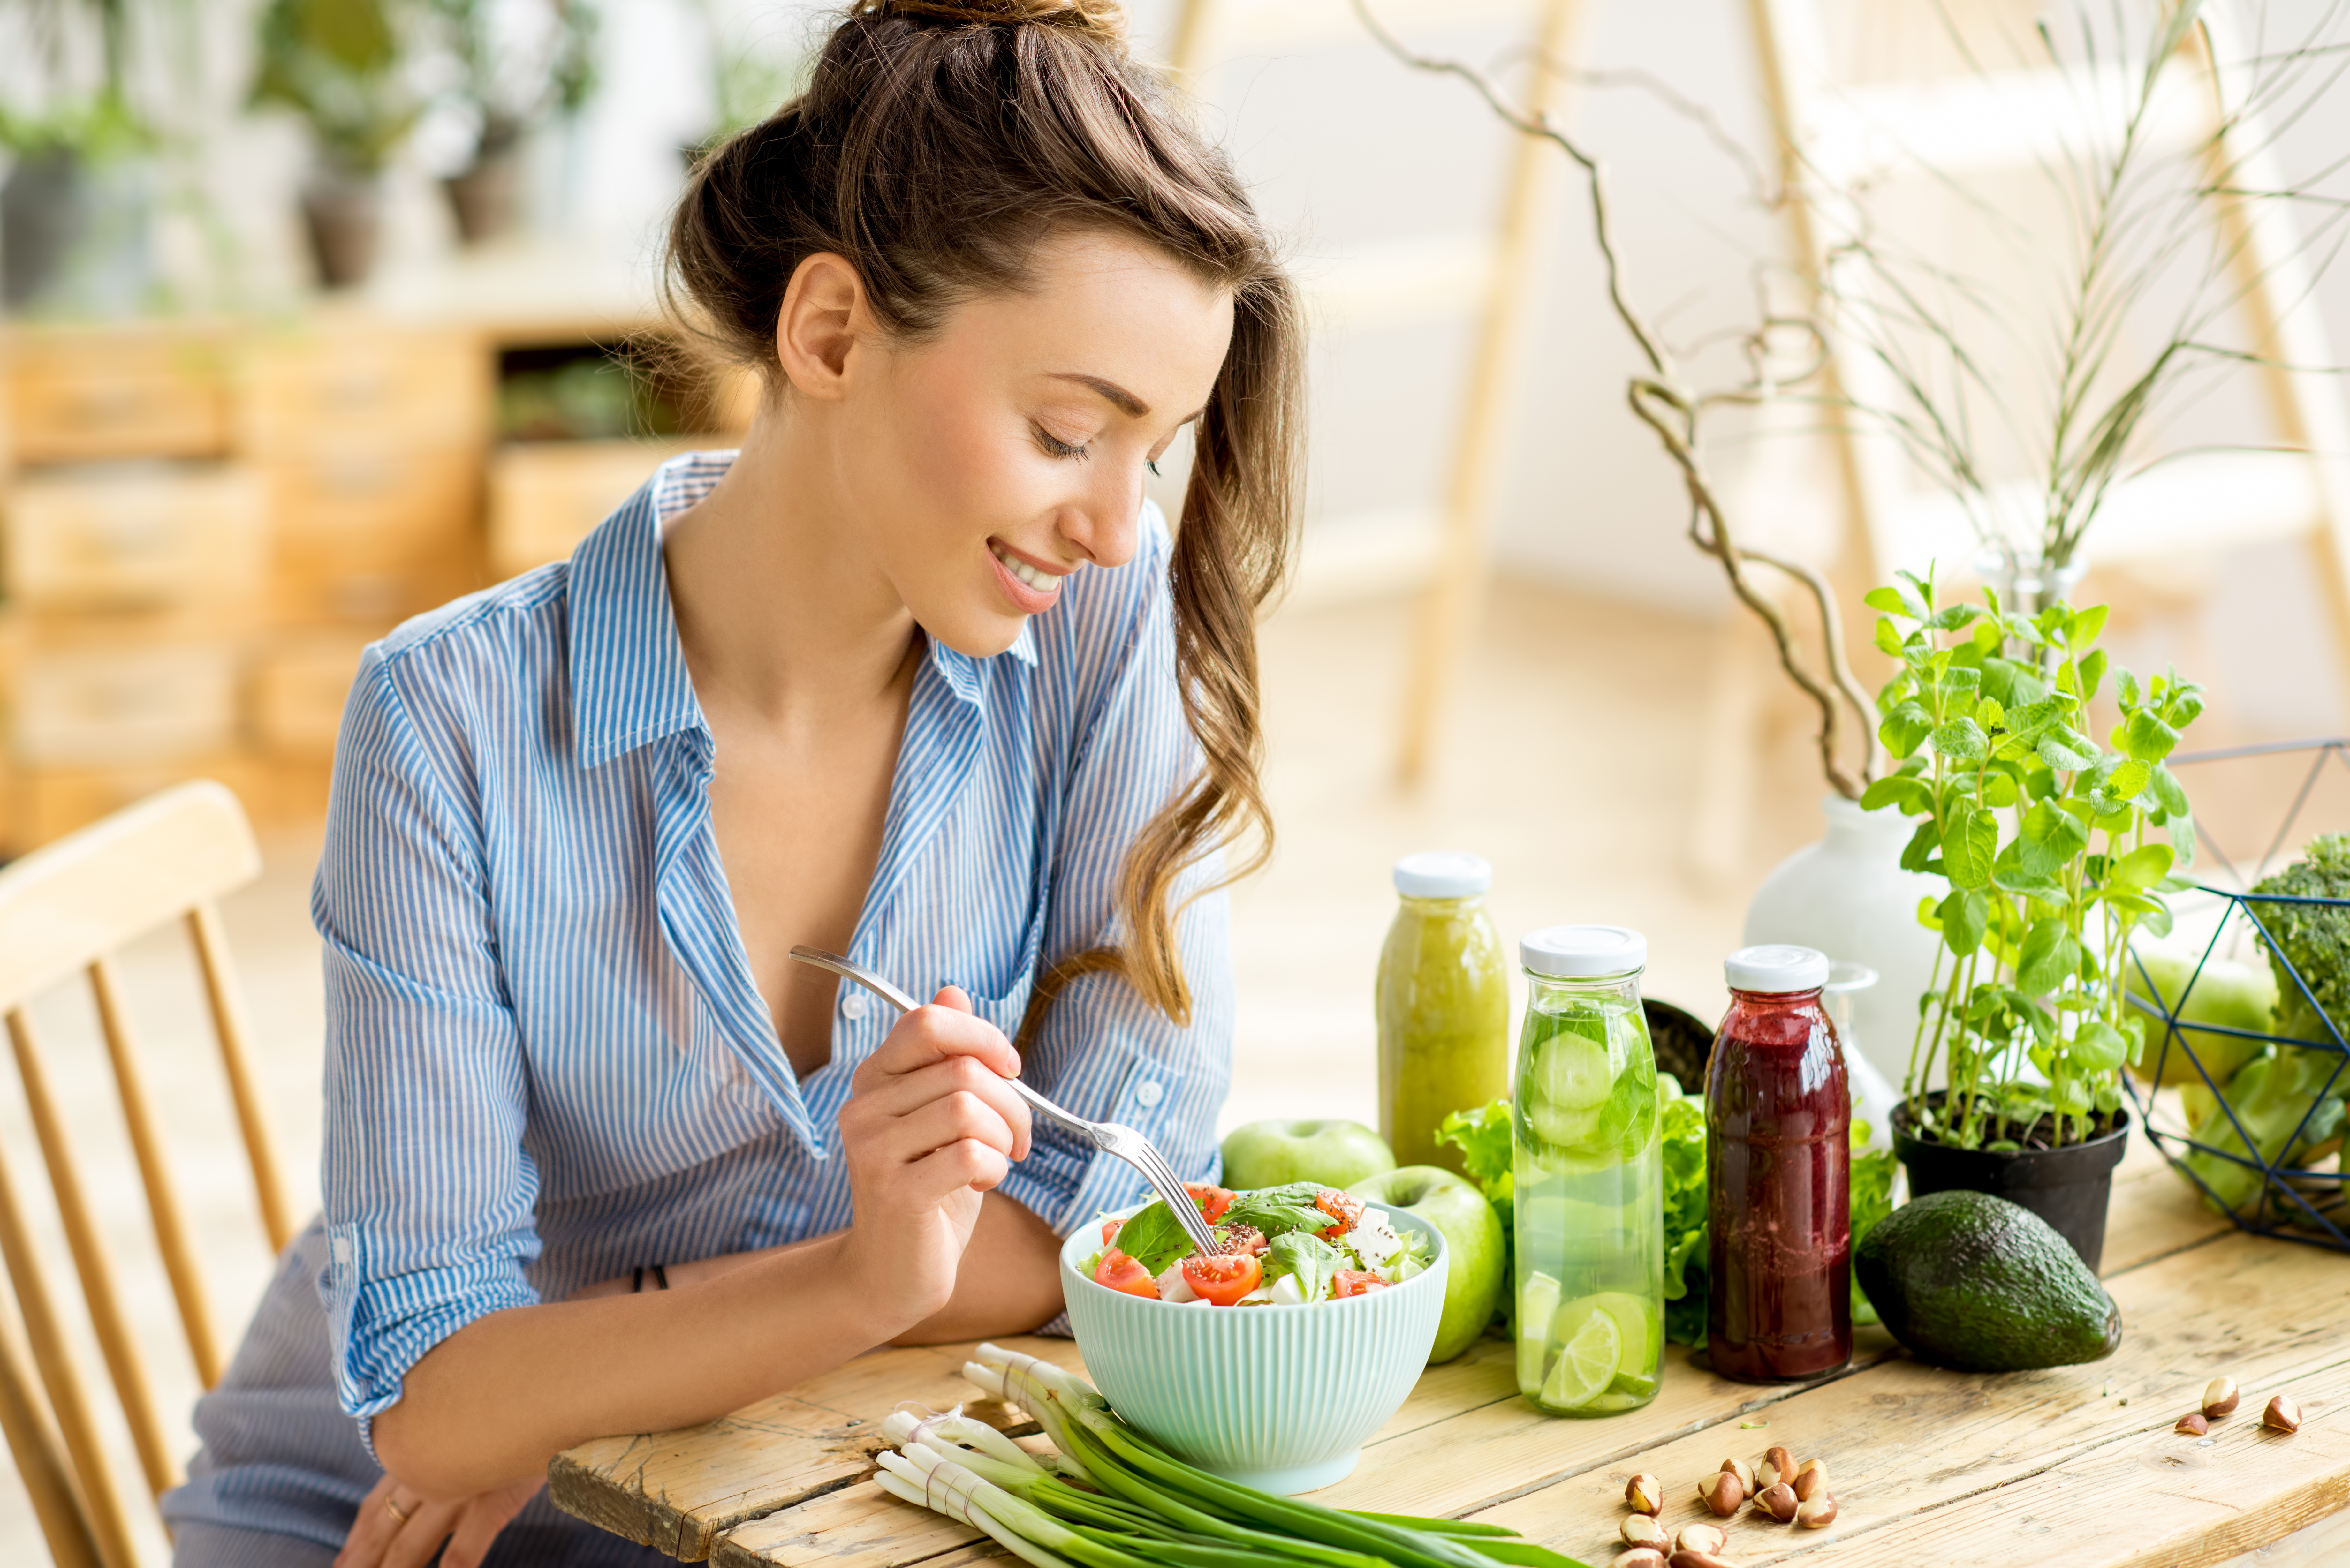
(319, 313)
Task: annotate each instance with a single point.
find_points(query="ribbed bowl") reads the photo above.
(1279, 1398)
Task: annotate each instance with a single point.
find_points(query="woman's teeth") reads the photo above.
(1043, 582)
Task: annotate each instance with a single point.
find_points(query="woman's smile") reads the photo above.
(1032, 585)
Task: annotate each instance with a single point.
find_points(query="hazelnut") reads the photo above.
(1777, 1466)
(1722, 1492)
(1701, 1537)
(1644, 1493)
(2193, 1423)
(2220, 1397)
(2281, 1415)
(1817, 1512)
(1779, 1501)
(1639, 1529)
(1743, 1471)
(1638, 1557)
(1696, 1559)
(1811, 1480)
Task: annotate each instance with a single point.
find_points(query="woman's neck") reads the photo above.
(781, 609)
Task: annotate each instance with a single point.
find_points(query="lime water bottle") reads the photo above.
(1589, 1176)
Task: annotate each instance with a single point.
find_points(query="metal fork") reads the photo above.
(1110, 1137)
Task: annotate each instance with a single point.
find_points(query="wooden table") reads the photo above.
(2078, 1465)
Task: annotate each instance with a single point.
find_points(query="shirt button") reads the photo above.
(1148, 1093)
(852, 1006)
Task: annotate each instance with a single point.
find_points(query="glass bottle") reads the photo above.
(1778, 1118)
(1588, 1178)
(1444, 1005)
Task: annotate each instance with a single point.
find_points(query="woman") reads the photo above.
(916, 675)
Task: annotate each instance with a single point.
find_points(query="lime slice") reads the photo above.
(1584, 1369)
(1633, 1387)
(1537, 1305)
(1636, 1322)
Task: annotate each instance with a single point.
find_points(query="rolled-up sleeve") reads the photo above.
(1104, 1052)
(429, 1192)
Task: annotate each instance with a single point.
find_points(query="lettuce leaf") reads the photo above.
(1682, 1117)
(1488, 1151)
(1872, 1200)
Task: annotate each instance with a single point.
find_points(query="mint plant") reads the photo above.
(2056, 849)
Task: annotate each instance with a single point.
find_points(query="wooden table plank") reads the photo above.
(1905, 1442)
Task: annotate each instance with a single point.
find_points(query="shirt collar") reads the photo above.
(629, 685)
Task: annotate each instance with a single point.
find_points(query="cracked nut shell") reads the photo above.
(1777, 1466)
(2281, 1415)
(1743, 1471)
(1639, 1529)
(1811, 1480)
(1722, 1492)
(1644, 1493)
(1817, 1512)
(2220, 1397)
(2194, 1424)
(1701, 1537)
(1638, 1557)
(1779, 1501)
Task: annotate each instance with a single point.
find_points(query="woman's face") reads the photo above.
(991, 460)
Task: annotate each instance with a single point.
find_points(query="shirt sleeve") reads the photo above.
(1103, 1052)
(429, 1192)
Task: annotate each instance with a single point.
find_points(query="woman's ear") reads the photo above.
(824, 317)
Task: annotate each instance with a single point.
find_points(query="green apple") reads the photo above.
(1336, 1154)
(1473, 1244)
(2232, 995)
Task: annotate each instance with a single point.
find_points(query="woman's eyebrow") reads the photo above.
(1118, 397)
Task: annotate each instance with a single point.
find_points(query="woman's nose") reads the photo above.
(1103, 522)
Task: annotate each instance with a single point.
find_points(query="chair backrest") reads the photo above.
(65, 911)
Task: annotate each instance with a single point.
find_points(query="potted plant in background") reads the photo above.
(74, 211)
(2056, 849)
(518, 64)
(340, 64)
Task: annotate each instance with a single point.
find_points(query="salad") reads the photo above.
(1282, 1246)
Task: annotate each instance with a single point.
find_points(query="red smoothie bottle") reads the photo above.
(1778, 1118)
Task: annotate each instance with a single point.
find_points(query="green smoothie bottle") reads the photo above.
(1444, 1005)
(1588, 1181)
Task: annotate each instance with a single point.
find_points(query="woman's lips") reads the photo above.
(1020, 579)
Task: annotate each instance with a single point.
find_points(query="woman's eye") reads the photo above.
(1056, 447)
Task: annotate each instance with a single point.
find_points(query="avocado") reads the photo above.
(1979, 1284)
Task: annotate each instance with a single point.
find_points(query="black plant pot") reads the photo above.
(485, 198)
(2067, 1187)
(345, 217)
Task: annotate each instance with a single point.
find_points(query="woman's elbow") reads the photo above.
(425, 1460)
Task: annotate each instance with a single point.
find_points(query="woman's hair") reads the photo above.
(938, 144)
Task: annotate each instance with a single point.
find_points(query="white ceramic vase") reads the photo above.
(1849, 897)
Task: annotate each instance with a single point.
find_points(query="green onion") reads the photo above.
(1111, 1497)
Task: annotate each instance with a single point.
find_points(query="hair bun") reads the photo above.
(1104, 18)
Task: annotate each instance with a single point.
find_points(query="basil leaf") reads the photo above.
(1314, 1262)
(1153, 1238)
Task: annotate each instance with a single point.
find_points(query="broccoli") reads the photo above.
(2310, 940)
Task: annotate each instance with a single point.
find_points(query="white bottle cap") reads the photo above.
(1581, 952)
(1775, 968)
(1443, 874)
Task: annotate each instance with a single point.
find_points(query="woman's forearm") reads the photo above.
(495, 1400)
(1009, 1280)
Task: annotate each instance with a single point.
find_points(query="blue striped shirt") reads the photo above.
(547, 1061)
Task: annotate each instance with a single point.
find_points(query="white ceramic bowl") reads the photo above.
(1279, 1398)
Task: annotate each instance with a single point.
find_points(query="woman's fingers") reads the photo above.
(968, 1164)
(900, 1095)
(484, 1516)
(420, 1539)
(947, 1027)
(371, 1528)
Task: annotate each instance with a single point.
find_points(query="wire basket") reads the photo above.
(2222, 1155)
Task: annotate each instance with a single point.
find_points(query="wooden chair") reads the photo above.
(65, 910)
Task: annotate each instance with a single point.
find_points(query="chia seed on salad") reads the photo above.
(1281, 1246)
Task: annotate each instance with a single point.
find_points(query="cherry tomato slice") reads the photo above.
(1121, 1273)
(1213, 1199)
(1109, 1230)
(1355, 1282)
(1340, 1207)
(1243, 1238)
(1224, 1278)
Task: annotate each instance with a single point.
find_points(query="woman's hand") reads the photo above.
(930, 1124)
(397, 1529)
